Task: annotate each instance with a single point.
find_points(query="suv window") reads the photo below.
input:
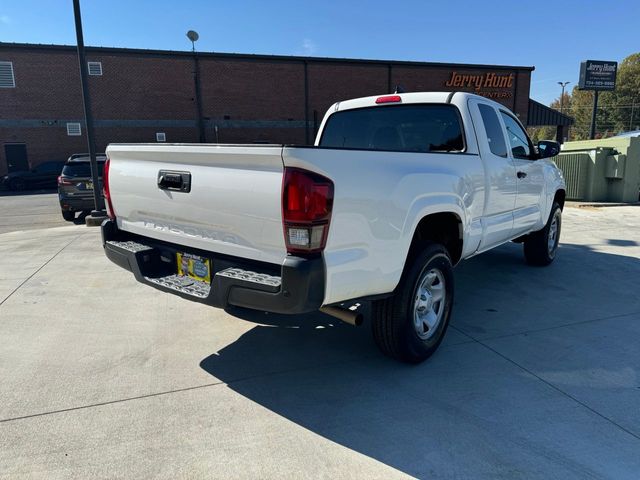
(492, 126)
(518, 139)
(400, 128)
(81, 169)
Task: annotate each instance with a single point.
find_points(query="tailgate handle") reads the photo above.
(174, 181)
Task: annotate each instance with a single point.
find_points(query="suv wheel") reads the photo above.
(410, 325)
(540, 247)
(17, 185)
(68, 215)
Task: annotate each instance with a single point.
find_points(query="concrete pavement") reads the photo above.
(538, 376)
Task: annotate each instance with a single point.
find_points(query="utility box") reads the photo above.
(615, 167)
(605, 170)
(575, 167)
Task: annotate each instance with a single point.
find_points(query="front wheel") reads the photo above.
(17, 185)
(540, 247)
(410, 325)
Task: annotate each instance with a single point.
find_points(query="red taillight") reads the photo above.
(105, 190)
(64, 181)
(307, 201)
(389, 99)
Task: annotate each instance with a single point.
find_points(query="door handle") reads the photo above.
(175, 181)
(521, 174)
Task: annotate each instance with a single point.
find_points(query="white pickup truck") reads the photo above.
(396, 191)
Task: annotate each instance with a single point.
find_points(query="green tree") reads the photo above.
(581, 108)
(626, 115)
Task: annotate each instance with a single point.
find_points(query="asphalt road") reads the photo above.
(33, 211)
(102, 377)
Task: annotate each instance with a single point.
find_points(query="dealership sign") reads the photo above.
(484, 84)
(598, 75)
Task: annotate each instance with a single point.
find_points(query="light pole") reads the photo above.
(562, 84)
(193, 36)
(98, 213)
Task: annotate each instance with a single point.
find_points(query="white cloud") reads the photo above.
(309, 47)
(5, 19)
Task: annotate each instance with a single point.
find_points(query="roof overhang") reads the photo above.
(539, 115)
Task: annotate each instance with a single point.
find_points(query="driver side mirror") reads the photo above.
(548, 148)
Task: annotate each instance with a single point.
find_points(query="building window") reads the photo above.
(7, 80)
(161, 137)
(95, 68)
(73, 129)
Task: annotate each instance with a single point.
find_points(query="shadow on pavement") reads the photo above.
(466, 409)
(622, 243)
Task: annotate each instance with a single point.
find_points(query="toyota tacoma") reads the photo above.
(396, 190)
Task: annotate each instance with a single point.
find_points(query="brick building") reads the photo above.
(151, 95)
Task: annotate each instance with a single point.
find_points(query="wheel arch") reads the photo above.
(445, 228)
(560, 196)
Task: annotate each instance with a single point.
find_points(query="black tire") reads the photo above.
(393, 318)
(69, 216)
(17, 185)
(538, 250)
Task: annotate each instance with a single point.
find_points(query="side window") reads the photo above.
(493, 129)
(518, 140)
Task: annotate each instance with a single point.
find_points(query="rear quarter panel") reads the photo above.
(379, 199)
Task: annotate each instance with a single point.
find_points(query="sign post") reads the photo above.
(592, 130)
(597, 75)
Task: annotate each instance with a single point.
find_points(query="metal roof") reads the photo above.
(248, 56)
(540, 114)
(634, 133)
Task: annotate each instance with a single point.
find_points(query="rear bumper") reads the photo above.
(296, 286)
(76, 204)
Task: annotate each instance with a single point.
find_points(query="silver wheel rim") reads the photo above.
(430, 299)
(552, 240)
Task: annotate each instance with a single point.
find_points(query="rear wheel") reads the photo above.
(410, 325)
(540, 247)
(68, 215)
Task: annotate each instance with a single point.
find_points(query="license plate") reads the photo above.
(193, 266)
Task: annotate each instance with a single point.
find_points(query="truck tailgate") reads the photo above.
(233, 206)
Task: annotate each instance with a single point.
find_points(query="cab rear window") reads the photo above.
(80, 169)
(401, 128)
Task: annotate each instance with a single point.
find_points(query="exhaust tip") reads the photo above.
(352, 317)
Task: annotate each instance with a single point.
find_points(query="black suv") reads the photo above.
(75, 187)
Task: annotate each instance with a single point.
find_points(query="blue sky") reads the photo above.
(553, 36)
